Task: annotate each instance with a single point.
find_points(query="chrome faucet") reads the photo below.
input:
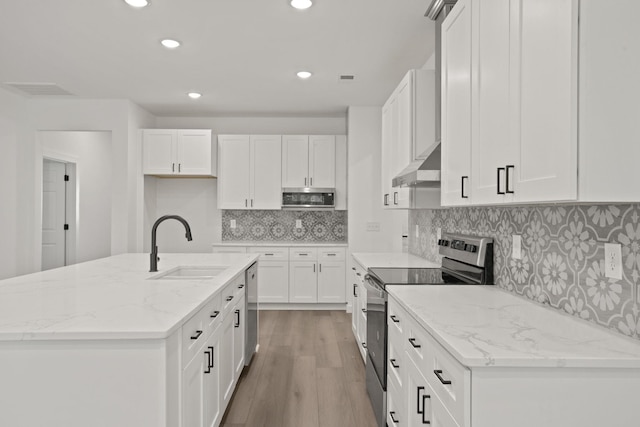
(154, 248)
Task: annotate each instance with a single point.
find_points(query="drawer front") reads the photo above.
(212, 314)
(395, 407)
(331, 254)
(397, 318)
(395, 363)
(449, 380)
(239, 285)
(303, 254)
(416, 342)
(228, 297)
(272, 253)
(229, 249)
(193, 335)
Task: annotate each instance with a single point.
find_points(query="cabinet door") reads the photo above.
(233, 171)
(546, 98)
(274, 281)
(331, 282)
(193, 390)
(493, 145)
(303, 281)
(322, 161)
(212, 413)
(227, 368)
(403, 144)
(362, 322)
(194, 152)
(158, 149)
(456, 105)
(266, 164)
(239, 313)
(295, 161)
(389, 111)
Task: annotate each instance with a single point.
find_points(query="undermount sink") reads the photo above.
(190, 272)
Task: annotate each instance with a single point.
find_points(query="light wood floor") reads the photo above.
(308, 372)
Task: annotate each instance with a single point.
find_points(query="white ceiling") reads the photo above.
(242, 55)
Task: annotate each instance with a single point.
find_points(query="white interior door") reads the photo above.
(53, 214)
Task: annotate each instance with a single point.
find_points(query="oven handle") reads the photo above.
(372, 285)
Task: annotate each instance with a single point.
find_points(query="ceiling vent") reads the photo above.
(39, 89)
(347, 77)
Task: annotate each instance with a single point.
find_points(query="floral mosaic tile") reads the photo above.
(562, 261)
(255, 225)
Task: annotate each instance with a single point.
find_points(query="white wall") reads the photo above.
(365, 182)
(91, 152)
(13, 124)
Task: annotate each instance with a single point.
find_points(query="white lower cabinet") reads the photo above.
(211, 394)
(193, 391)
(273, 274)
(238, 337)
(359, 312)
(227, 365)
(303, 282)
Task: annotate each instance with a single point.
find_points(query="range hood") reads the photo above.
(421, 173)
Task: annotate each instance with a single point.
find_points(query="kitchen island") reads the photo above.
(102, 343)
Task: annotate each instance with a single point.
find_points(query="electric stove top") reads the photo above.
(413, 276)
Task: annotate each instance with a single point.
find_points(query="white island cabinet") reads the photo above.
(103, 344)
(462, 356)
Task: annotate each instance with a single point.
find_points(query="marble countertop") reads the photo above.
(285, 244)
(392, 260)
(110, 298)
(489, 327)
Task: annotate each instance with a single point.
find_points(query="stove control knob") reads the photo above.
(471, 248)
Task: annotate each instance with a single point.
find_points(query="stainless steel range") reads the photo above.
(468, 260)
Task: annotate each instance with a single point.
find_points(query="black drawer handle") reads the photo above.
(240, 286)
(196, 335)
(424, 411)
(358, 274)
(302, 254)
(208, 371)
(394, 318)
(413, 343)
(237, 313)
(438, 373)
(268, 254)
(230, 298)
(354, 290)
(214, 314)
(393, 363)
(364, 310)
(364, 345)
(498, 181)
(509, 167)
(213, 361)
(393, 418)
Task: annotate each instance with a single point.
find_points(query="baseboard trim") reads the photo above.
(298, 306)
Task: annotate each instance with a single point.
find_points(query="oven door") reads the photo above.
(377, 328)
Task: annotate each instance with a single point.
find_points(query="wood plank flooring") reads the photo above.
(308, 373)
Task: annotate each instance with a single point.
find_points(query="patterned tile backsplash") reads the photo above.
(317, 226)
(562, 262)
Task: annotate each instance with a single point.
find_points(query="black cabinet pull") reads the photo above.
(394, 318)
(245, 203)
(364, 345)
(208, 369)
(464, 196)
(498, 185)
(240, 286)
(424, 411)
(320, 267)
(268, 254)
(353, 268)
(418, 390)
(314, 268)
(173, 167)
(212, 360)
(196, 335)
(237, 313)
(332, 254)
(364, 310)
(214, 314)
(509, 191)
(386, 200)
(395, 197)
(413, 343)
(230, 298)
(393, 363)
(358, 274)
(438, 373)
(354, 290)
(305, 182)
(393, 418)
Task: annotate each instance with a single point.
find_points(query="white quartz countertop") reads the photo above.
(486, 326)
(285, 244)
(392, 260)
(110, 298)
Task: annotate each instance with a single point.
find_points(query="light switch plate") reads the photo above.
(233, 223)
(516, 252)
(613, 260)
(298, 223)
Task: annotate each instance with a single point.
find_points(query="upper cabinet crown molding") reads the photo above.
(547, 109)
(178, 152)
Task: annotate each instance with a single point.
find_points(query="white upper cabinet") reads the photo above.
(408, 129)
(456, 105)
(178, 152)
(553, 87)
(249, 172)
(309, 161)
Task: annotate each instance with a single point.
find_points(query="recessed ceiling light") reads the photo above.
(194, 95)
(304, 74)
(170, 44)
(137, 3)
(301, 4)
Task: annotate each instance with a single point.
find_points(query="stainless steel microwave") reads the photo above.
(308, 198)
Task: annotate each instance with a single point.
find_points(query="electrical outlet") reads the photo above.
(373, 226)
(613, 260)
(298, 223)
(438, 234)
(233, 223)
(417, 231)
(516, 252)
